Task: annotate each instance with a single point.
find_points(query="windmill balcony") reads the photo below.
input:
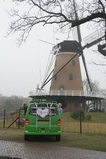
(66, 93)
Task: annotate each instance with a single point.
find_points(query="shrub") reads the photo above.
(76, 114)
(88, 117)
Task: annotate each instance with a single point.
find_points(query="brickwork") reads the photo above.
(45, 150)
(63, 75)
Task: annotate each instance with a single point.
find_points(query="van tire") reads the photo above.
(26, 137)
(58, 138)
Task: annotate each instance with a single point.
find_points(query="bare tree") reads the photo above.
(94, 85)
(95, 89)
(29, 13)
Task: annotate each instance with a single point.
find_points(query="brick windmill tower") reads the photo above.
(69, 78)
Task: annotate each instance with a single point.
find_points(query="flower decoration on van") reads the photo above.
(42, 112)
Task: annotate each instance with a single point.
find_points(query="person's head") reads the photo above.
(60, 105)
(25, 105)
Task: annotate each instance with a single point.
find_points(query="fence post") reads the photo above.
(19, 120)
(4, 119)
(80, 123)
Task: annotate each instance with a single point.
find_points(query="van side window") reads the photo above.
(54, 110)
(32, 109)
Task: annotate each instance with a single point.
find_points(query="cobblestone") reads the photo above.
(45, 150)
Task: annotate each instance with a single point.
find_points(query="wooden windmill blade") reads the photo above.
(77, 37)
(83, 59)
(94, 38)
(50, 61)
(90, 40)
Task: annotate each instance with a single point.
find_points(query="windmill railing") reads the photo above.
(67, 93)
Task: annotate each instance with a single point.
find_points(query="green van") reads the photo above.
(42, 118)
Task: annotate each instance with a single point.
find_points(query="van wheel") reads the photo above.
(58, 138)
(26, 137)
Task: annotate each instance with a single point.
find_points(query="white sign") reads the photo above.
(42, 112)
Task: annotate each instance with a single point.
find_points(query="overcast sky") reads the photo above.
(22, 68)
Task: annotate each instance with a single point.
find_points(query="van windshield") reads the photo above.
(51, 107)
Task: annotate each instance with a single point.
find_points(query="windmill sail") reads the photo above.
(94, 38)
(77, 37)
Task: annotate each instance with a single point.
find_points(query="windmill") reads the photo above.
(65, 77)
(90, 40)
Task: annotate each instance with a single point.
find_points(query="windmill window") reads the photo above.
(73, 62)
(55, 77)
(70, 77)
(56, 63)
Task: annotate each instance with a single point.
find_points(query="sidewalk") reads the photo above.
(45, 150)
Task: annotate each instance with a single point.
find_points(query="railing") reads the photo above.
(68, 93)
(12, 119)
(92, 123)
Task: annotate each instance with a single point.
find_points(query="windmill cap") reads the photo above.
(70, 46)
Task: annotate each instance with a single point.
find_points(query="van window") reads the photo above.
(54, 110)
(50, 106)
(32, 109)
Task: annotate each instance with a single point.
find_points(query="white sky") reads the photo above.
(22, 68)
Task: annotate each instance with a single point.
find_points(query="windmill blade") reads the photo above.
(88, 45)
(94, 38)
(50, 62)
(88, 79)
(78, 38)
(44, 83)
(91, 40)
(46, 42)
(76, 34)
(48, 68)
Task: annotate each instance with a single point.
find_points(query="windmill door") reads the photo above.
(61, 90)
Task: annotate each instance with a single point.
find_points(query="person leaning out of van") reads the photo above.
(60, 108)
(25, 108)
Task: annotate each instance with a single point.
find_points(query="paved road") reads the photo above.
(46, 150)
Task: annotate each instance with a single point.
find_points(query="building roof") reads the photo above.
(69, 46)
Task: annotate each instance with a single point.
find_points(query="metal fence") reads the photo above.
(96, 125)
(12, 119)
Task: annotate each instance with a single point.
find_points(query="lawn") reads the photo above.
(93, 135)
(96, 126)
(76, 140)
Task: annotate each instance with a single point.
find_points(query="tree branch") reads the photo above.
(88, 18)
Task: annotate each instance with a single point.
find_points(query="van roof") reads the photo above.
(43, 100)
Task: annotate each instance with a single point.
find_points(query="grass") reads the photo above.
(76, 140)
(84, 141)
(12, 134)
(93, 135)
(96, 126)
